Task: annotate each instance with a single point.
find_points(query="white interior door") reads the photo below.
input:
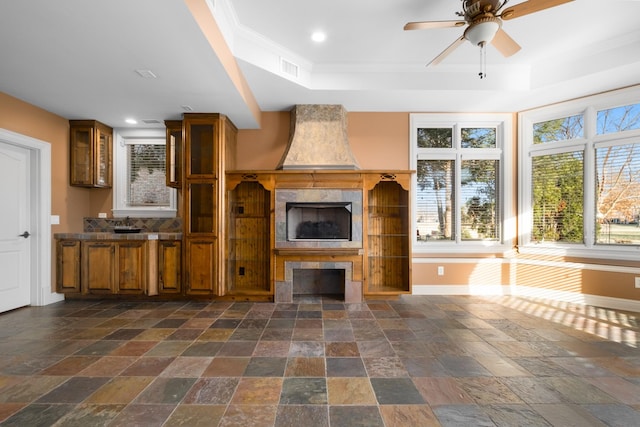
(15, 221)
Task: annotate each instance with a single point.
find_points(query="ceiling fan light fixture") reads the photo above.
(482, 31)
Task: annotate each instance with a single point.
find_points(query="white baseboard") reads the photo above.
(47, 297)
(461, 290)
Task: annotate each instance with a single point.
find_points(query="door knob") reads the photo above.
(25, 234)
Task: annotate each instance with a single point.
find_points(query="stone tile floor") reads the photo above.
(415, 361)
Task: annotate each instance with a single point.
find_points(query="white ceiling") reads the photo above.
(77, 58)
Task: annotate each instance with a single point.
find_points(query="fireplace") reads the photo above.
(318, 218)
(319, 221)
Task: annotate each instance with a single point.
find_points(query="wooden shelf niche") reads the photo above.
(248, 240)
(388, 248)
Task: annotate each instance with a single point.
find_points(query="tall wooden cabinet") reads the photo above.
(91, 151)
(209, 147)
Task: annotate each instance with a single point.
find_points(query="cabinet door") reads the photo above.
(103, 147)
(98, 267)
(201, 207)
(200, 138)
(174, 153)
(90, 157)
(81, 159)
(169, 271)
(132, 263)
(68, 266)
(200, 266)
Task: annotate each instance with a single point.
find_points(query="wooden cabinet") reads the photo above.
(248, 240)
(174, 153)
(169, 267)
(388, 245)
(378, 258)
(200, 266)
(208, 143)
(91, 151)
(118, 267)
(131, 267)
(98, 267)
(68, 266)
(114, 267)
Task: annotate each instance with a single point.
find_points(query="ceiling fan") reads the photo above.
(484, 24)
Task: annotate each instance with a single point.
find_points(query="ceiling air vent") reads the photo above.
(289, 68)
(151, 122)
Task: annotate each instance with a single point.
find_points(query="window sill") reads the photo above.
(452, 248)
(629, 253)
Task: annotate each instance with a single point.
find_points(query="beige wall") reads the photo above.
(72, 204)
(378, 141)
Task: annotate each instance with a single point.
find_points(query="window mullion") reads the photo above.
(457, 208)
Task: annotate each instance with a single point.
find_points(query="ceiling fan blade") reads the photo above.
(531, 6)
(446, 52)
(504, 43)
(426, 25)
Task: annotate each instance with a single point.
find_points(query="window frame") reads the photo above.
(121, 208)
(503, 123)
(588, 107)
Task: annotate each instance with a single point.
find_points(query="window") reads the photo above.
(580, 167)
(459, 186)
(140, 184)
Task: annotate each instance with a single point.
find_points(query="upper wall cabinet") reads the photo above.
(91, 148)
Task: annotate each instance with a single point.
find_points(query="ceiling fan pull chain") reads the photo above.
(483, 61)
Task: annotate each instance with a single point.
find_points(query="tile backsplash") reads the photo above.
(161, 225)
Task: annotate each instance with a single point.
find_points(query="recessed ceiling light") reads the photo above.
(131, 121)
(318, 36)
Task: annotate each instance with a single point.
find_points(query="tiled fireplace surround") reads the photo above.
(309, 258)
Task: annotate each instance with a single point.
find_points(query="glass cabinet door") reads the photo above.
(103, 159)
(81, 156)
(202, 208)
(174, 153)
(91, 145)
(202, 155)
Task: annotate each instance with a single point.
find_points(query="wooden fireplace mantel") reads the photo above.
(319, 178)
(325, 252)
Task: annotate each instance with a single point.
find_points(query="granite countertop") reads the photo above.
(147, 235)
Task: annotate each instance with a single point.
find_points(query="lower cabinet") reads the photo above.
(131, 267)
(114, 267)
(68, 266)
(98, 267)
(118, 267)
(169, 267)
(200, 266)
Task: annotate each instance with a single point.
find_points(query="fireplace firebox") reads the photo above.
(319, 221)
